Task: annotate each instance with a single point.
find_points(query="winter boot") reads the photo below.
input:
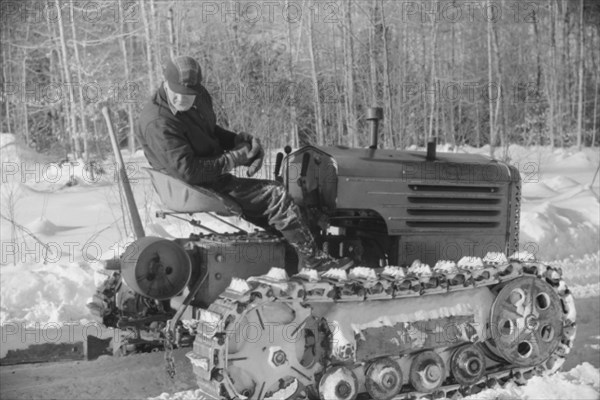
(309, 256)
(322, 261)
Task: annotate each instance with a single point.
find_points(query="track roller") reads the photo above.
(383, 379)
(427, 372)
(467, 364)
(338, 383)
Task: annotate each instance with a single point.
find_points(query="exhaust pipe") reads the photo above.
(431, 147)
(374, 115)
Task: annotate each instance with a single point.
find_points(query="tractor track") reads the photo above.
(246, 299)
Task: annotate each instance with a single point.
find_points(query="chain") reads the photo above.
(169, 359)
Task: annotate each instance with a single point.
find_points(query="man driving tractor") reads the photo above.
(179, 134)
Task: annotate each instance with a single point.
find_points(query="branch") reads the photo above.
(27, 231)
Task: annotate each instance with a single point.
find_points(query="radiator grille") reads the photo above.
(450, 207)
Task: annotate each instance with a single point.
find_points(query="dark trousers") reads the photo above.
(267, 204)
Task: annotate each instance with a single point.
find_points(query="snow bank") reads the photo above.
(556, 232)
(560, 183)
(38, 293)
(537, 190)
(582, 274)
(580, 383)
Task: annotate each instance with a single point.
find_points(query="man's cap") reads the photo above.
(183, 75)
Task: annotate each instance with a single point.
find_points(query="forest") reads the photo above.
(488, 72)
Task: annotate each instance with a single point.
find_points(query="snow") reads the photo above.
(49, 265)
(495, 258)
(445, 266)
(468, 262)
(239, 285)
(579, 383)
(362, 273)
(209, 317)
(278, 274)
(421, 315)
(38, 293)
(308, 274)
(284, 393)
(523, 256)
(394, 272)
(419, 268)
(337, 274)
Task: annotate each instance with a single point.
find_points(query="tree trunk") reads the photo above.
(292, 99)
(351, 120)
(564, 100)
(404, 117)
(550, 77)
(452, 107)
(24, 100)
(149, 56)
(491, 107)
(424, 77)
(595, 110)
(155, 34)
(315, 81)
(70, 108)
(172, 41)
(500, 104)
(389, 101)
(374, 56)
(336, 105)
(82, 118)
(580, 101)
(123, 45)
(5, 66)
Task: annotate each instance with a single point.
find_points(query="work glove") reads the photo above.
(239, 156)
(257, 153)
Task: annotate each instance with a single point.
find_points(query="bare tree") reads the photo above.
(173, 42)
(580, 90)
(79, 67)
(123, 45)
(5, 73)
(67, 76)
(347, 36)
(388, 99)
(490, 93)
(292, 96)
(315, 81)
(148, 39)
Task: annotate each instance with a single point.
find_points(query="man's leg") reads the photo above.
(267, 203)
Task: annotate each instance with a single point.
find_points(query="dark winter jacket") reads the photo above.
(188, 145)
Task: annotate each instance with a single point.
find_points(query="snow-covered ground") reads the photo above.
(49, 268)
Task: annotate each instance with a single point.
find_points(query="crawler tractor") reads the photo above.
(441, 301)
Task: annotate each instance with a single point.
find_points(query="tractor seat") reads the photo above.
(178, 196)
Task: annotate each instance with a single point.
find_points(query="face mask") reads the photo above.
(180, 102)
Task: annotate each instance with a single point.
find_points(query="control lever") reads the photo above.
(287, 150)
(278, 162)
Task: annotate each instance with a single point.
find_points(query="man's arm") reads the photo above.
(227, 139)
(174, 152)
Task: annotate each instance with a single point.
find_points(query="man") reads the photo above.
(178, 131)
